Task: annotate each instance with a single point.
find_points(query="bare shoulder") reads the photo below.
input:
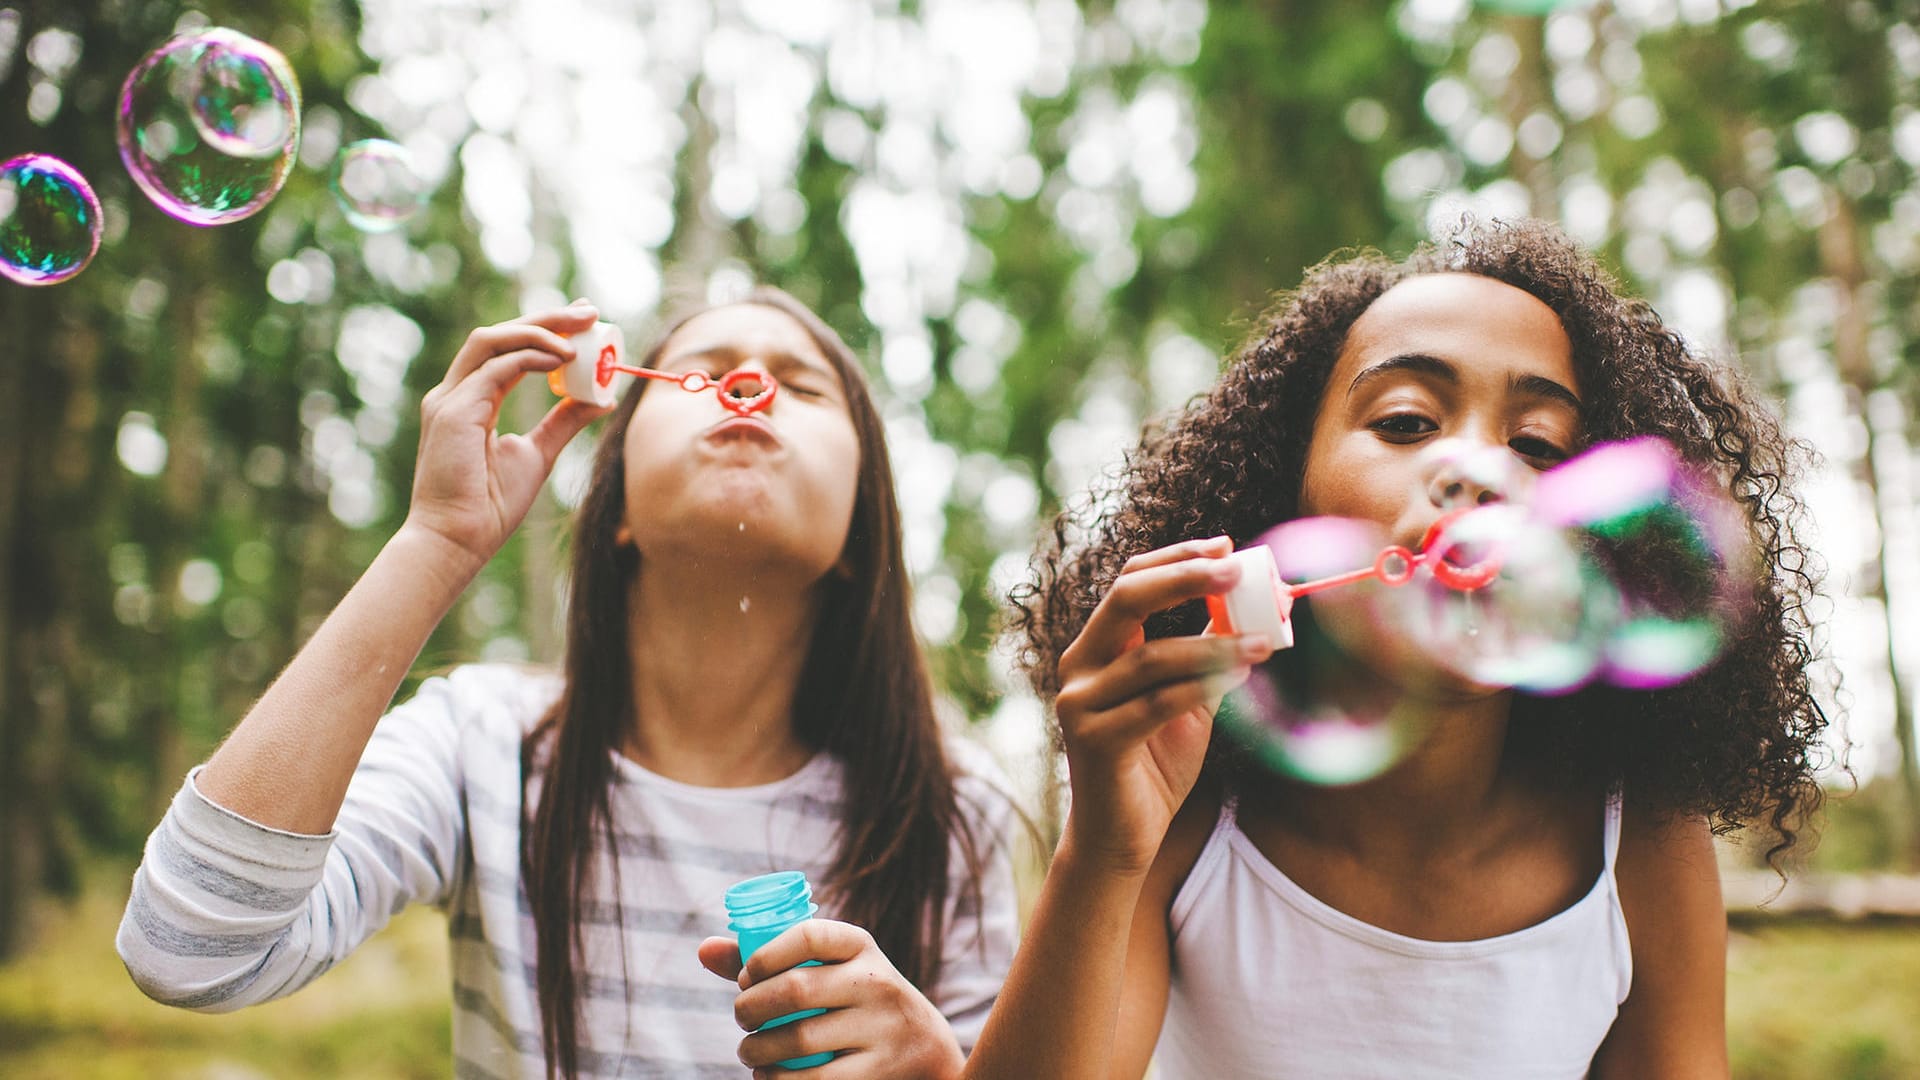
(1666, 867)
(1673, 1023)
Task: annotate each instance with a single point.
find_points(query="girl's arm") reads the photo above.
(1673, 1025)
(1135, 717)
(287, 764)
(247, 890)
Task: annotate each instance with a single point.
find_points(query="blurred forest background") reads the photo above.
(1038, 221)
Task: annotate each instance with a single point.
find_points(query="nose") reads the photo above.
(1462, 473)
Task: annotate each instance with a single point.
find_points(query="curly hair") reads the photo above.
(1738, 743)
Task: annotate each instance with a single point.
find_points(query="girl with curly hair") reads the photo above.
(1530, 892)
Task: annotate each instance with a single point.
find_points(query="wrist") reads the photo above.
(437, 559)
(1082, 851)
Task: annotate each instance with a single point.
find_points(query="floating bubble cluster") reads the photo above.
(1625, 566)
(49, 220)
(209, 125)
(1675, 547)
(376, 185)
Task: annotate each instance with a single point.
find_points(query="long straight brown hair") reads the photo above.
(864, 696)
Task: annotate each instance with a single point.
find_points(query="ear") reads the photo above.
(622, 536)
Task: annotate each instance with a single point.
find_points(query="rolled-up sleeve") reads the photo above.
(226, 912)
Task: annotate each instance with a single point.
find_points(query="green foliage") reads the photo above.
(1305, 128)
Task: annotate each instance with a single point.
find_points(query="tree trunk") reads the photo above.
(1842, 260)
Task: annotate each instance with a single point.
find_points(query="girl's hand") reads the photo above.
(472, 485)
(879, 1025)
(1136, 715)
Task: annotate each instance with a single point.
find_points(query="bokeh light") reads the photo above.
(49, 220)
(182, 153)
(376, 185)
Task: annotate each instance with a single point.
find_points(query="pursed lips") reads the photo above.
(743, 428)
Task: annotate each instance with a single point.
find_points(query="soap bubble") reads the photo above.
(244, 98)
(1316, 711)
(1675, 546)
(376, 185)
(209, 125)
(1541, 624)
(49, 220)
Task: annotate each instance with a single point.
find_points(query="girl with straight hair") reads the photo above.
(742, 692)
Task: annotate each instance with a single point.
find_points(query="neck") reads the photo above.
(1438, 798)
(716, 663)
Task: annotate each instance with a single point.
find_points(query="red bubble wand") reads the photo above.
(597, 357)
(1262, 603)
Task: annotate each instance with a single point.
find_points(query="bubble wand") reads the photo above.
(1262, 603)
(600, 352)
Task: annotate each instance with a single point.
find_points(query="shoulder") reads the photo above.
(1673, 1022)
(1666, 871)
(493, 703)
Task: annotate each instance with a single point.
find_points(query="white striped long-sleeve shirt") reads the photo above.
(226, 912)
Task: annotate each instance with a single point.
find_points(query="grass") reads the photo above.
(1824, 1000)
(1804, 1000)
(68, 1009)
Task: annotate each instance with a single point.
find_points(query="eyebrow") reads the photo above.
(1434, 367)
(775, 358)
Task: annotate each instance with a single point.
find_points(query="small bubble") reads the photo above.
(743, 526)
(49, 220)
(745, 604)
(376, 185)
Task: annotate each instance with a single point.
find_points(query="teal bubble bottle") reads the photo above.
(758, 909)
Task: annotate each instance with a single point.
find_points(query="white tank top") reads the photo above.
(1268, 981)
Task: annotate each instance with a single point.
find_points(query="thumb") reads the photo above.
(565, 420)
(721, 956)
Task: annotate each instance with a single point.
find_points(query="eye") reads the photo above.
(1403, 427)
(803, 389)
(1539, 452)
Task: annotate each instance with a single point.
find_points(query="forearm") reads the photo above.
(1056, 1016)
(288, 762)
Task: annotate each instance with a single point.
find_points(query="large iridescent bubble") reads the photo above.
(1624, 565)
(1543, 622)
(1316, 711)
(49, 220)
(376, 185)
(209, 125)
(1673, 543)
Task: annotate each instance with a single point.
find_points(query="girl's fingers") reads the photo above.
(1211, 547)
(826, 940)
(1115, 625)
(1167, 660)
(1138, 718)
(566, 419)
(721, 956)
(548, 330)
(491, 381)
(842, 1031)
